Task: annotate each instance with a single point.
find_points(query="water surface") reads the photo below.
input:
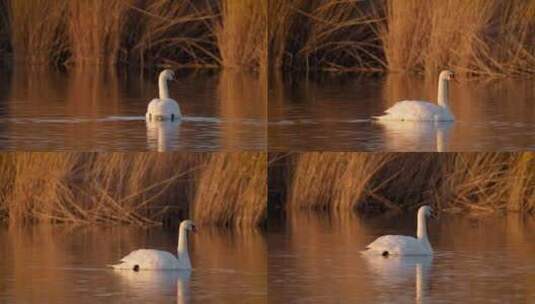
(333, 113)
(88, 109)
(316, 259)
(68, 265)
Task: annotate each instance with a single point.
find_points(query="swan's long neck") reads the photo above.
(183, 252)
(162, 85)
(421, 232)
(443, 92)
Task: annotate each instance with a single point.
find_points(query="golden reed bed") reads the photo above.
(476, 37)
(377, 182)
(206, 33)
(137, 188)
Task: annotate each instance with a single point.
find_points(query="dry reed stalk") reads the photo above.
(232, 190)
(181, 33)
(242, 36)
(521, 182)
(331, 181)
(96, 29)
(477, 37)
(140, 188)
(136, 188)
(281, 21)
(38, 30)
(343, 35)
(325, 35)
(368, 181)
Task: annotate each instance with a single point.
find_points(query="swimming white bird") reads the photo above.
(164, 108)
(151, 259)
(404, 245)
(415, 110)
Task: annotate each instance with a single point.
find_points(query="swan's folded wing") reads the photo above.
(394, 245)
(411, 110)
(148, 259)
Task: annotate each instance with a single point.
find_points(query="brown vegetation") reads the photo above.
(480, 37)
(385, 181)
(136, 188)
(180, 33)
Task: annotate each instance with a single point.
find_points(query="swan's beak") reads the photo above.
(194, 228)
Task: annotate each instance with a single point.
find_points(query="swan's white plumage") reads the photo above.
(398, 245)
(414, 110)
(404, 245)
(149, 259)
(164, 107)
(152, 259)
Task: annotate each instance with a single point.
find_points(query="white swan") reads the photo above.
(151, 259)
(422, 110)
(164, 108)
(404, 245)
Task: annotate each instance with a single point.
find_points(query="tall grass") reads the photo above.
(182, 33)
(480, 37)
(240, 196)
(329, 35)
(37, 30)
(472, 37)
(174, 32)
(96, 28)
(383, 181)
(136, 188)
(243, 33)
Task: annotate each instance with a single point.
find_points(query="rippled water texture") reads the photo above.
(332, 113)
(94, 110)
(68, 265)
(316, 259)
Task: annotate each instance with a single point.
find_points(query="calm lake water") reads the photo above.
(316, 259)
(102, 110)
(67, 265)
(332, 113)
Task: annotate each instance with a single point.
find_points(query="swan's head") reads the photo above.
(426, 211)
(447, 75)
(188, 226)
(167, 74)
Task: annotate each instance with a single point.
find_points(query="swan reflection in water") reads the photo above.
(416, 135)
(163, 135)
(399, 272)
(154, 285)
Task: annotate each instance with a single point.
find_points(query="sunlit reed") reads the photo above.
(140, 188)
(377, 182)
(480, 37)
